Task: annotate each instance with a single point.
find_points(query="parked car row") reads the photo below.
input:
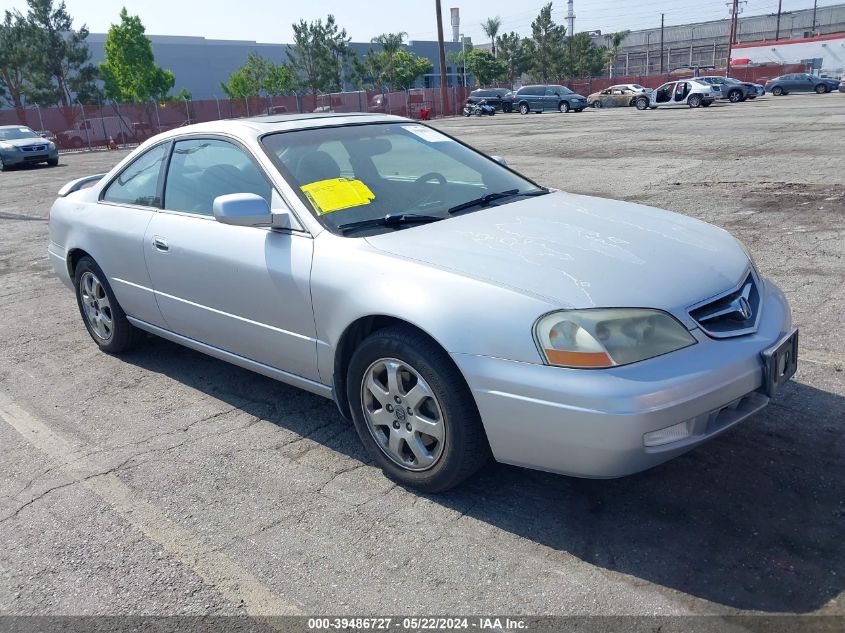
(692, 91)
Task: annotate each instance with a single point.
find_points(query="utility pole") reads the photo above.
(734, 15)
(815, 5)
(444, 91)
(777, 25)
(661, 42)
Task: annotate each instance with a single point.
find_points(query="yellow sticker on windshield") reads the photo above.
(335, 194)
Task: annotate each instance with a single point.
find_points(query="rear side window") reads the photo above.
(138, 183)
(203, 169)
(532, 90)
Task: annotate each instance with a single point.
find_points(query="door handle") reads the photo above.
(160, 244)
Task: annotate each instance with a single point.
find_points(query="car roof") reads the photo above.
(14, 127)
(258, 125)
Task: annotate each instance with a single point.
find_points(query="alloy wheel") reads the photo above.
(403, 414)
(97, 307)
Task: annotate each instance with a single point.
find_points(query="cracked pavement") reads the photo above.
(166, 482)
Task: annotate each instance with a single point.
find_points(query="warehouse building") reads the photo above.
(200, 64)
(706, 43)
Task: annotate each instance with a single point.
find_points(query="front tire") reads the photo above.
(778, 91)
(563, 106)
(598, 104)
(413, 411)
(642, 103)
(735, 96)
(821, 89)
(53, 162)
(104, 319)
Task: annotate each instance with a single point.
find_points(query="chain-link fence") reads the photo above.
(79, 126)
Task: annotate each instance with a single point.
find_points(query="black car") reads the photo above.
(544, 98)
(493, 96)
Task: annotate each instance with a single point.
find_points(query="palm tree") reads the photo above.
(390, 42)
(614, 41)
(491, 27)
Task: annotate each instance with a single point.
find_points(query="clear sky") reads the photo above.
(270, 20)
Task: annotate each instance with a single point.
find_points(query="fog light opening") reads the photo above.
(670, 434)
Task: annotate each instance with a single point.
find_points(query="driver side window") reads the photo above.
(203, 169)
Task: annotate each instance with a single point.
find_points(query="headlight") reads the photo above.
(6, 146)
(51, 145)
(609, 337)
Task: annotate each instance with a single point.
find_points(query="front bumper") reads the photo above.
(591, 423)
(13, 158)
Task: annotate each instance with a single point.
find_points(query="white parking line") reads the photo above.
(233, 581)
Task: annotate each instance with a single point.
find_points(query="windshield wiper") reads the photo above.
(483, 201)
(391, 219)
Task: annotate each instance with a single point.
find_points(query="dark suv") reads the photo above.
(734, 90)
(499, 98)
(544, 98)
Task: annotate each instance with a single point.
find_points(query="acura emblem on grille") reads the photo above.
(743, 308)
(732, 313)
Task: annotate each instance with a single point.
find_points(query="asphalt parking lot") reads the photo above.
(166, 482)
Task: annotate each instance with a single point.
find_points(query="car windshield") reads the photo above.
(637, 86)
(360, 173)
(14, 133)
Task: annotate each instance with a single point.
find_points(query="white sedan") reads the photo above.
(684, 92)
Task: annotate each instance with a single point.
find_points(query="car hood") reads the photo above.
(579, 251)
(26, 142)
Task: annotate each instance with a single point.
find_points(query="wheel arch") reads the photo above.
(353, 335)
(73, 257)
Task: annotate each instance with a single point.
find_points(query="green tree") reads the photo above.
(547, 47)
(485, 68)
(319, 55)
(510, 50)
(406, 68)
(14, 58)
(583, 58)
(258, 76)
(248, 80)
(614, 41)
(279, 80)
(491, 27)
(130, 72)
(60, 61)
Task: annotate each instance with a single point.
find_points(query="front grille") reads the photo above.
(34, 148)
(731, 314)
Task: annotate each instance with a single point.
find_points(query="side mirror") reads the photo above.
(247, 209)
(500, 160)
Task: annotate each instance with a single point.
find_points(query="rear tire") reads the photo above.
(705, 104)
(3, 166)
(102, 315)
(399, 359)
(76, 143)
(524, 109)
(694, 101)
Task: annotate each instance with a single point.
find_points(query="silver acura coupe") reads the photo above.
(451, 307)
